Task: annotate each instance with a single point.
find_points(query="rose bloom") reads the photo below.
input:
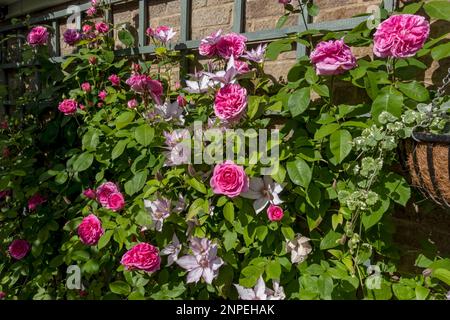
(86, 86)
(91, 11)
(284, 1)
(71, 36)
(116, 201)
(142, 256)
(2, 295)
(4, 124)
(132, 103)
(37, 36)
(141, 83)
(401, 36)
(332, 57)
(229, 179)
(6, 152)
(89, 193)
(102, 94)
(18, 249)
(241, 66)
(230, 102)
(231, 44)
(86, 28)
(275, 213)
(68, 106)
(181, 100)
(101, 27)
(104, 191)
(115, 79)
(90, 230)
(35, 201)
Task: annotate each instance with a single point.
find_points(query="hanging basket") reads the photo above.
(426, 159)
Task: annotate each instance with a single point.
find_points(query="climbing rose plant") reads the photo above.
(98, 179)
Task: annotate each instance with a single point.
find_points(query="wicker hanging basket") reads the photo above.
(426, 159)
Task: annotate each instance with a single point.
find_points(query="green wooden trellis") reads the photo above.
(185, 42)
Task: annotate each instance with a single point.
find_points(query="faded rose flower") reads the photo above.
(132, 103)
(18, 249)
(35, 201)
(37, 36)
(142, 256)
(332, 57)
(181, 100)
(299, 248)
(90, 230)
(401, 36)
(71, 36)
(231, 44)
(229, 179)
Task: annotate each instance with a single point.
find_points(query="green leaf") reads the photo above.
(299, 101)
(282, 21)
(126, 38)
(144, 134)
(124, 119)
(277, 47)
(441, 51)
(422, 293)
(389, 100)
(229, 241)
(108, 56)
(330, 240)
(104, 240)
(90, 140)
(120, 287)
(442, 274)
(136, 183)
(341, 144)
(250, 275)
(326, 130)
(288, 233)
(438, 9)
(299, 172)
(119, 148)
(403, 292)
(228, 212)
(197, 207)
(371, 218)
(414, 90)
(83, 162)
(273, 270)
(91, 267)
(253, 106)
(399, 190)
(197, 185)
(261, 232)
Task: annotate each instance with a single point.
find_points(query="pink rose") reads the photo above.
(100, 104)
(401, 36)
(231, 44)
(91, 11)
(230, 102)
(104, 191)
(332, 57)
(150, 32)
(229, 179)
(142, 256)
(275, 213)
(37, 36)
(241, 66)
(86, 87)
(116, 202)
(208, 45)
(102, 94)
(132, 103)
(181, 100)
(94, 3)
(90, 230)
(86, 28)
(115, 80)
(35, 201)
(4, 124)
(18, 249)
(68, 106)
(90, 193)
(2, 295)
(143, 84)
(101, 27)
(284, 1)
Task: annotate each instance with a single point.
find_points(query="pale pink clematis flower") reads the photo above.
(162, 33)
(264, 191)
(260, 292)
(256, 55)
(172, 250)
(170, 112)
(159, 210)
(199, 84)
(204, 262)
